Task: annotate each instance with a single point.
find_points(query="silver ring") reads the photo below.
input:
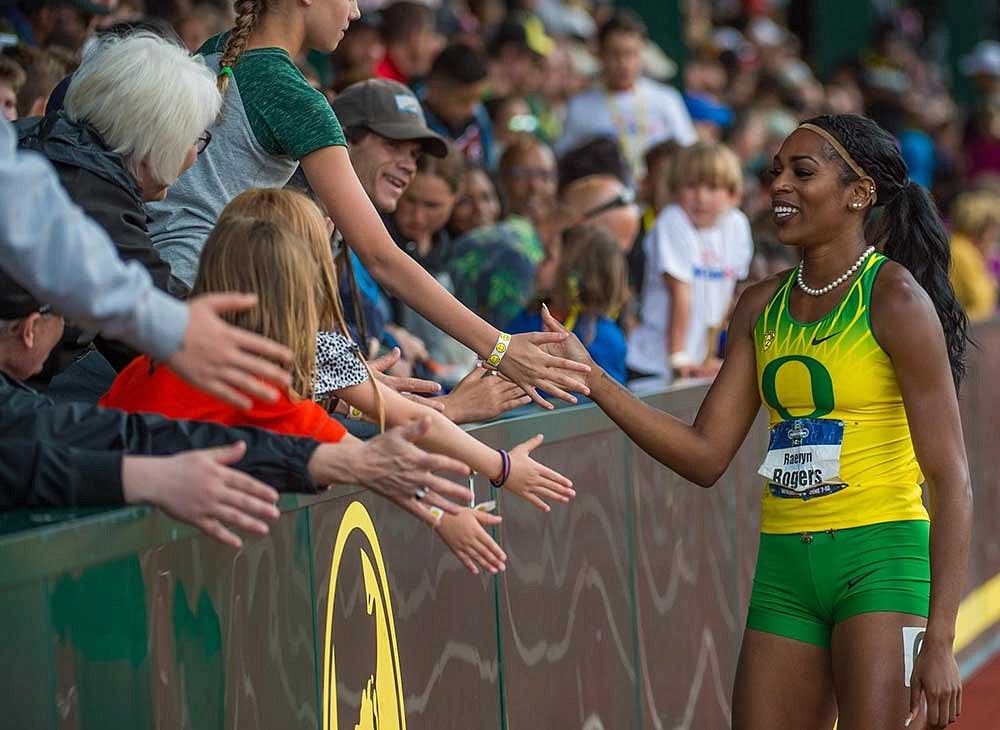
(420, 493)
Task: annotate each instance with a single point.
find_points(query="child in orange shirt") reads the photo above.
(295, 282)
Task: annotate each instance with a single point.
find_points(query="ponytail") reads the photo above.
(248, 12)
(912, 234)
(909, 231)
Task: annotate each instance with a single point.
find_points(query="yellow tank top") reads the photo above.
(828, 386)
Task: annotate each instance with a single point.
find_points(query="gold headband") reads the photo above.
(844, 154)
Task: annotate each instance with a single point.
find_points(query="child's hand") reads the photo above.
(463, 533)
(532, 481)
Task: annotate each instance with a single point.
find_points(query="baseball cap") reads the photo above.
(390, 109)
(15, 301)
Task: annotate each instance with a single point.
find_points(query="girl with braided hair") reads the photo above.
(272, 121)
(857, 355)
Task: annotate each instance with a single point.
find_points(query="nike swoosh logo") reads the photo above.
(818, 340)
(854, 581)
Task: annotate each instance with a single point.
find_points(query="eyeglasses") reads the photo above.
(202, 142)
(622, 200)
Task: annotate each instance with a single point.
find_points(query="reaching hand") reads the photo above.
(935, 678)
(532, 481)
(200, 488)
(226, 361)
(412, 388)
(570, 348)
(463, 533)
(394, 467)
(530, 366)
(480, 396)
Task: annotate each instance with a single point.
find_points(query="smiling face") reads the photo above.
(326, 22)
(809, 202)
(385, 168)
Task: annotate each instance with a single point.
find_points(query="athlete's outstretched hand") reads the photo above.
(532, 481)
(530, 366)
(472, 545)
(936, 678)
(570, 348)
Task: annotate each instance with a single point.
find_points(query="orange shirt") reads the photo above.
(141, 388)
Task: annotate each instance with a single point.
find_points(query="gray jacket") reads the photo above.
(66, 260)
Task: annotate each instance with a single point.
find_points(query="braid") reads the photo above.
(247, 14)
(909, 231)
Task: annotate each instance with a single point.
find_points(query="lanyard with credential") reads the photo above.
(632, 144)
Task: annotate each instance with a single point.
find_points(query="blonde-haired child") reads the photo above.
(697, 251)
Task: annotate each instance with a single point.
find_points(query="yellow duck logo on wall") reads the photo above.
(382, 704)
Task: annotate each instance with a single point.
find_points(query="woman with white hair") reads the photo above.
(135, 117)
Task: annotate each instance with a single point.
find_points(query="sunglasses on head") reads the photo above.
(623, 199)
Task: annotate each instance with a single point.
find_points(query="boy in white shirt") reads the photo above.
(697, 251)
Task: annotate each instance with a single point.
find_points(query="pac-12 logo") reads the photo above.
(382, 704)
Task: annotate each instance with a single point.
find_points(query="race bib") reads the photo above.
(803, 458)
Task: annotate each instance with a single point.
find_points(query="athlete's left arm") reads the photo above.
(907, 327)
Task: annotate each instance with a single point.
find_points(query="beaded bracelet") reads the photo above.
(504, 471)
(499, 350)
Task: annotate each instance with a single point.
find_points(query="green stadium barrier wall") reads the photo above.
(622, 610)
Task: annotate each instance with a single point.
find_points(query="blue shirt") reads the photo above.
(607, 346)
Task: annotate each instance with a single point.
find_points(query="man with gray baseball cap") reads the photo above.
(386, 133)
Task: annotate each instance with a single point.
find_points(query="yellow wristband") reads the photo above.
(499, 350)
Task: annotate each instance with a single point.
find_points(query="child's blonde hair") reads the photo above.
(263, 258)
(591, 277)
(706, 163)
(296, 213)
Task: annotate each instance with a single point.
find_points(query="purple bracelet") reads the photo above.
(504, 472)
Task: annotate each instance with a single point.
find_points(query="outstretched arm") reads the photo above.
(331, 175)
(700, 452)
(907, 327)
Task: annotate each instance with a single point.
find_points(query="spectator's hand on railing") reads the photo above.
(531, 481)
(229, 362)
(529, 365)
(200, 488)
(414, 389)
(465, 536)
(398, 470)
(480, 396)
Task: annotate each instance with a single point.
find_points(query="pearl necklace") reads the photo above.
(836, 282)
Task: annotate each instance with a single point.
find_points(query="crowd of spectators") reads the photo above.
(522, 152)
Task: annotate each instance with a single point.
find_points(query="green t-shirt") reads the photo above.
(286, 114)
(271, 118)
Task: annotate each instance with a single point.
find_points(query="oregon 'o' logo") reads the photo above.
(382, 706)
(820, 384)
